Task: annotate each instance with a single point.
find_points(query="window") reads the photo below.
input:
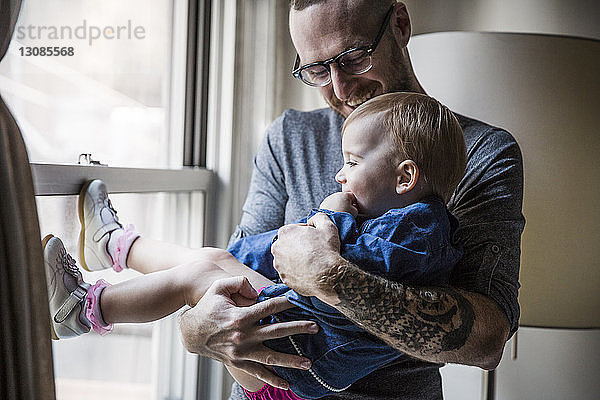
(109, 79)
(111, 96)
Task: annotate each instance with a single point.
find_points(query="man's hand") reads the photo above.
(308, 255)
(340, 202)
(218, 328)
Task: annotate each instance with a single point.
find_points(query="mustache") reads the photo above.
(334, 101)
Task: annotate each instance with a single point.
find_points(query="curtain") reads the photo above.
(26, 352)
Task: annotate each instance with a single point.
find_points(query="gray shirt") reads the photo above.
(294, 171)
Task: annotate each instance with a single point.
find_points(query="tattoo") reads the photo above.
(423, 321)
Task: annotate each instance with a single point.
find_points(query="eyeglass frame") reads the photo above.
(368, 48)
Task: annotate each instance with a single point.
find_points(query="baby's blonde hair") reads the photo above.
(421, 129)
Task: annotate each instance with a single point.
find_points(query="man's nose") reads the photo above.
(342, 83)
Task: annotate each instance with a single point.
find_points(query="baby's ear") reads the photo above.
(407, 176)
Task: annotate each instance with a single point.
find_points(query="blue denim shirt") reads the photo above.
(413, 244)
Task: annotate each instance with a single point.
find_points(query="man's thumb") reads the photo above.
(235, 285)
(323, 222)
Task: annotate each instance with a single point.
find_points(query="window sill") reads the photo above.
(67, 179)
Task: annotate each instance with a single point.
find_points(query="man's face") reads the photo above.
(323, 31)
(368, 172)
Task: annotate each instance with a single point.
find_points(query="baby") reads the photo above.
(404, 154)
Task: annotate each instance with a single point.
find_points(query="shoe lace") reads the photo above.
(68, 262)
(103, 198)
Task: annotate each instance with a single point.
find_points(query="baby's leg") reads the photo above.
(147, 255)
(155, 295)
(104, 242)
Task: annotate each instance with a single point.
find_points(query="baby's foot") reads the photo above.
(103, 243)
(66, 291)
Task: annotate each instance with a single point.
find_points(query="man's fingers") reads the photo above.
(242, 301)
(247, 290)
(283, 329)
(267, 356)
(290, 227)
(268, 307)
(262, 373)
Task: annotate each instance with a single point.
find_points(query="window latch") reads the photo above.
(86, 159)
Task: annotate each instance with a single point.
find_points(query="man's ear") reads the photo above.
(400, 25)
(407, 176)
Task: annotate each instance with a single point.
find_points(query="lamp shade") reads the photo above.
(545, 90)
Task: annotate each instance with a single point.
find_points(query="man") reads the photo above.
(353, 51)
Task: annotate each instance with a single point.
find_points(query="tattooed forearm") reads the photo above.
(419, 321)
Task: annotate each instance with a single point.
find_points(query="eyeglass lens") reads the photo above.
(354, 62)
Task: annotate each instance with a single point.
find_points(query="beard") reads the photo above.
(342, 108)
(396, 80)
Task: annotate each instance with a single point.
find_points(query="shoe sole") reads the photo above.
(80, 206)
(45, 241)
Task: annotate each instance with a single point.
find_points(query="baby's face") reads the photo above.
(368, 172)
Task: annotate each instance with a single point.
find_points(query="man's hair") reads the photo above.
(421, 129)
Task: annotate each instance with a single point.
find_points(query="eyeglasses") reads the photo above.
(354, 61)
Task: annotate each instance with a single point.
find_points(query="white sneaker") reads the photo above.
(66, 291)
(98, 219)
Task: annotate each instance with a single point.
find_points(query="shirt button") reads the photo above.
(495, 248)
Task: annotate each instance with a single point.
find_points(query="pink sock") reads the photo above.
(119, 245)
(92, 308)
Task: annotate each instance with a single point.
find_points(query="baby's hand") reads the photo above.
(340, 202)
